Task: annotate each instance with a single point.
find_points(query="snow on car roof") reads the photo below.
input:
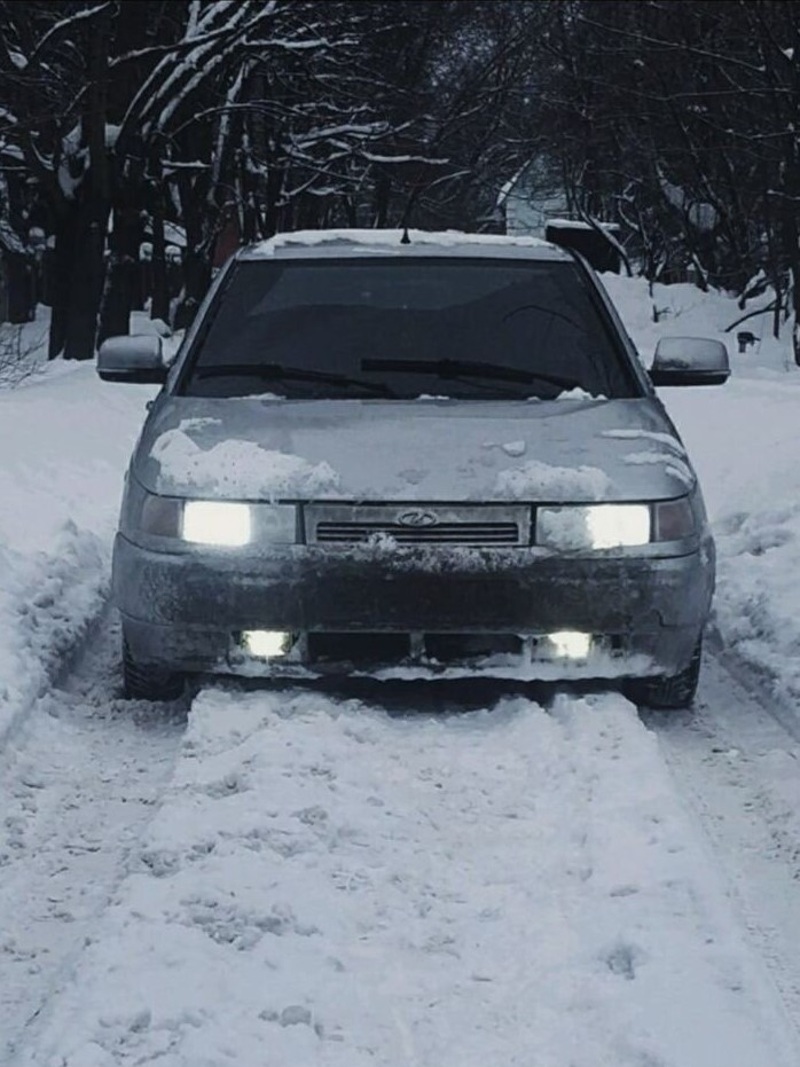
(345, 243)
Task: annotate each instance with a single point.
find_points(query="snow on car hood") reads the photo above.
(424, 450)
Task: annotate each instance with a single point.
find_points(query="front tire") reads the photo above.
(143, 681)
(668, 690)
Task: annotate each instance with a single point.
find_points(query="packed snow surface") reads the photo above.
(324, 883)
(65, 440)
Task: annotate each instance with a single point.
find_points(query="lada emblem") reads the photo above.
(417, 518)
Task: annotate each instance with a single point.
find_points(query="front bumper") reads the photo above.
(183, 610)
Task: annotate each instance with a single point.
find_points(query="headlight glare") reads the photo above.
(207, 522)
(618, 525)
(222, 523)
(594, 526)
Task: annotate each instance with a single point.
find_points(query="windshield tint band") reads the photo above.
(321, 322)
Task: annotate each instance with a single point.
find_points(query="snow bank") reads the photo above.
(65, 439)
(47, 601)
(743, 441)
(683, 310)
(745, 448)
(325, 884)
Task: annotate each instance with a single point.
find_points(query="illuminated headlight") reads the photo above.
(594, 526)
(573, 527)
(207, 522)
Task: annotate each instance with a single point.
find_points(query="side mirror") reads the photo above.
(690, 361)
(131, 359)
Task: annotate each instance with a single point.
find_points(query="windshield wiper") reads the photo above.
(467, 368)
(276, 372)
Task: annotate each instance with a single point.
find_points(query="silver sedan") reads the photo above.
(433, 458)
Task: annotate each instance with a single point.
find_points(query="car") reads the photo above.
(411, 455)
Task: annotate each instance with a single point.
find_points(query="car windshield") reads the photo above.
(460, 328)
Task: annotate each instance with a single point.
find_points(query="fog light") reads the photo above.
(266, 644)
(570, 644)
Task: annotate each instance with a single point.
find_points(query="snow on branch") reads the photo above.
(175, 48)
(57, 31)
(170, 83)
(326, 133)
(302, 45)
(375, 157)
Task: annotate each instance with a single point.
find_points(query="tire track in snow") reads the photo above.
(79, 779)
(736, 760)
(325, 884)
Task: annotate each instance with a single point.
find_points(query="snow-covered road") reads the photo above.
(311, 878)
(79, 780)
(736, 762)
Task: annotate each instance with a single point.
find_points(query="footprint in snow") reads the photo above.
(229, 785)
(293, 1015)
(623, 959)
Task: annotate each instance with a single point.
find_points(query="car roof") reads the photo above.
(346, 244)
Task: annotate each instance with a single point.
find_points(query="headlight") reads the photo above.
(220, 523)
(212, 522)
(572, 527)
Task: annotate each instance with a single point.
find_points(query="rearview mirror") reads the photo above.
(690, 361)
(131, 359)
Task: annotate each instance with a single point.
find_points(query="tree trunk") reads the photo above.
(93, 203)
(159, 303)
(19, 281)
(790, 235)
(86, 270)
(75, 278)
(59, 274)
(119, 293)
(383, 188)
(196, 266)
(197, 277)
(795, 269)
(271, 196)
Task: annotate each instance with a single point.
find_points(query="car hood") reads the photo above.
(424, 450)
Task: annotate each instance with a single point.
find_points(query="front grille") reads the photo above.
(387, 648)
(469, 525)
(447, 533)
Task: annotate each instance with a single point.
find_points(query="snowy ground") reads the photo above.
(328, 884)
(64, 445)
(294, 878)
(743, 441)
